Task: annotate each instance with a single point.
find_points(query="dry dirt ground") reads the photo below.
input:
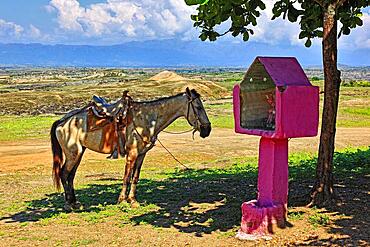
(27, 157)
(222, 143)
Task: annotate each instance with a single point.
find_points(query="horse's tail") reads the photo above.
(57, 154)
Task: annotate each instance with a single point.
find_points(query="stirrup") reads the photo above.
(114, 155)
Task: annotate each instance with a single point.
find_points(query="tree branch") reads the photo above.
(320, 2)
(340, 3)
(226, 32)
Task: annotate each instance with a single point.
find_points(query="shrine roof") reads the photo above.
(284, 71)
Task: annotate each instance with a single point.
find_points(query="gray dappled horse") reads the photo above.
(70, 136)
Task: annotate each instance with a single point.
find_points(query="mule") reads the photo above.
(70, 137)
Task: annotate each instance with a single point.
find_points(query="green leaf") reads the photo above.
(203, 36)
(346, 30)
(358, 21)
(308, 43)
(194, 17)
(292, 15)
(261, 5)
(246, 36)
(302, 35)
(213, 36)
(196, 2)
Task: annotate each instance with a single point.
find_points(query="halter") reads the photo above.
(197, 119)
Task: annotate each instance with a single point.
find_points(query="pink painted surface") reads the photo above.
(272, 172)
(285, 71)
(298, 109)
(258, 220)
(270, 208)
(297, 113)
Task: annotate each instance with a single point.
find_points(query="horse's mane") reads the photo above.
(160, 100)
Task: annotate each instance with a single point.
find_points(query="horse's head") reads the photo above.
(196, 115)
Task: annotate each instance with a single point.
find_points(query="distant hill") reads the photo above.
(168, 81)
(161, 53)
(167, 76)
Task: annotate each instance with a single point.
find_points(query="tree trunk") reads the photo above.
(323, 192)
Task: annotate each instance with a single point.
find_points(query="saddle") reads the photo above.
(101, 108)
(114, 116)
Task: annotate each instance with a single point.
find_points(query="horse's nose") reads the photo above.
(205, 130)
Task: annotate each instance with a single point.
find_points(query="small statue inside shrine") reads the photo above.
(270, 121)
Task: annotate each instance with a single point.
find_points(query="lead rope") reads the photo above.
(168, 151)
(173, 156)
(178, 133)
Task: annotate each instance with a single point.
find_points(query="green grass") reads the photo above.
(25, 127)
(295, 215)
(355, 116)
(82, 242)
(319, 219)
(217, 122)
(364, 111)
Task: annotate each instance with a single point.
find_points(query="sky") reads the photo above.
(109, 22)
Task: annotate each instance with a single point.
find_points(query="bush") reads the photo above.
(354, 83)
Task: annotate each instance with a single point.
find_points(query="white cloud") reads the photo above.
(34, 32)
(124, 20)
(11, 32)
(118, 21)
(10, 29)
(275, 31)
(359, 38)
(280, 31)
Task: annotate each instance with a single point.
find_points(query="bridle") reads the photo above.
(197, 119)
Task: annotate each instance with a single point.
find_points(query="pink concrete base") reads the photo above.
(257, 221)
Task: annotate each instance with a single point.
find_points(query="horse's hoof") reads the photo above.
(121, 200)
(67, 207)
(134, 203)
(77, 205)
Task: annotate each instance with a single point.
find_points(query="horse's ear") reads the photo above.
(195, 93)
(188, 91)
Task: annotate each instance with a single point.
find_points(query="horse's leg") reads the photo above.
(130, 162)
(135, 179)
(75, 204)
(73, 158)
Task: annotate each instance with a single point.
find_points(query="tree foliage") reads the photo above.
(243, 16)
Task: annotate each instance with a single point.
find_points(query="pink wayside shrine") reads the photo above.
(276, 101)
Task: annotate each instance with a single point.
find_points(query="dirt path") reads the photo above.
(20, 155)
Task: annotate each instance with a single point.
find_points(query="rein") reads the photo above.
(173, 156)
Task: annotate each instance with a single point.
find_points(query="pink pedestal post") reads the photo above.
(258, 216)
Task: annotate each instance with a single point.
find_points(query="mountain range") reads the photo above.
(164, 53)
